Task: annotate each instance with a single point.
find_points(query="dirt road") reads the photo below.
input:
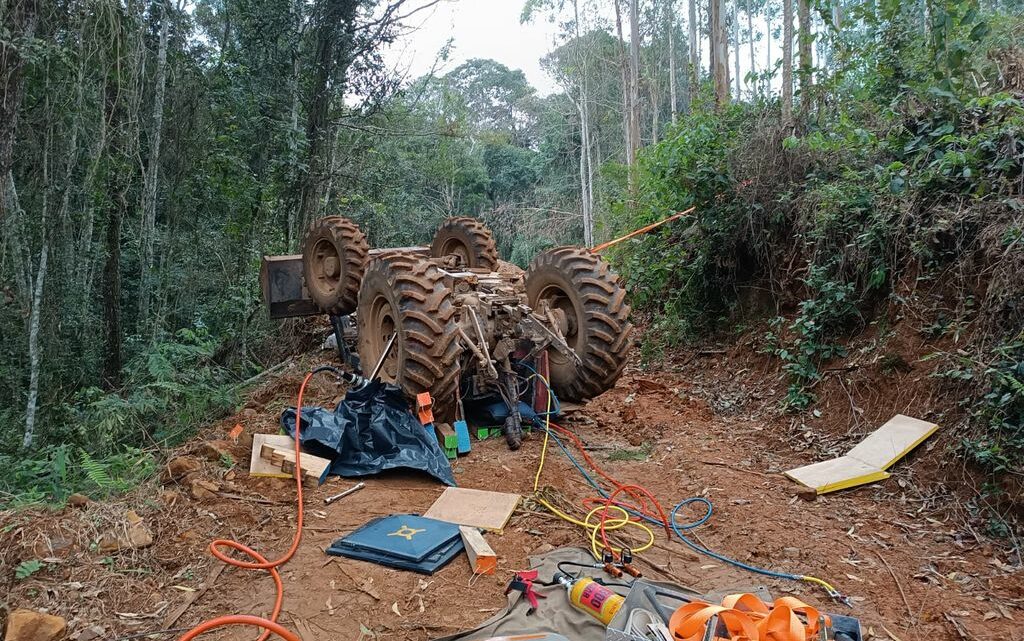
(913, 570)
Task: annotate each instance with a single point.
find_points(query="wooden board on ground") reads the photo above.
(259, 466)
(482, 558)
(892, 441)
(488, 511)
(836, 474)
(869, 460)
(274, 455)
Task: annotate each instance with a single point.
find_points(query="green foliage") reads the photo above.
(27, 568)
(999, 446)
(172, 388)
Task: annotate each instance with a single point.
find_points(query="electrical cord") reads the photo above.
(641, 512)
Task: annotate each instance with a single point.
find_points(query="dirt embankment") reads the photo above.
(706, 424)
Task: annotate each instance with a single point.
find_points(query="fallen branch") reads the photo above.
(903, 595)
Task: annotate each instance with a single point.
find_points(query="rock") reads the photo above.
(249, 413)
(791, 553)
(179, 467)
(214, 450)
(169, 497)
(808, 495)
(204, 490)
(133, 537)
(28, 625)
(78, 500)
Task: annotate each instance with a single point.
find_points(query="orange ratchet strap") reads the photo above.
(748, 618)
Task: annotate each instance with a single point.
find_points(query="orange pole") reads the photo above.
(642, 230)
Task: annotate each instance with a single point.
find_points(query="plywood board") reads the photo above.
(476, 508)
(892, 441)
(869, 460)
(836, 474)
(259, 466)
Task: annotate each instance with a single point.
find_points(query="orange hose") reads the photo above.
(644, 502)
(642, 230)
(269, 625)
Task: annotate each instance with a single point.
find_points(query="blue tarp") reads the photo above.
(370, 431)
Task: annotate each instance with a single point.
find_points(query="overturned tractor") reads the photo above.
(453, 320)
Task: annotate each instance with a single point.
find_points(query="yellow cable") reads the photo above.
(592, 528)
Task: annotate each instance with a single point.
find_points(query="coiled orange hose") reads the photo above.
(269, 625)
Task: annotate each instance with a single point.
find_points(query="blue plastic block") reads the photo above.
(462, 433)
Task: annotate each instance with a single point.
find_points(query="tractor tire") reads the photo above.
(334, 255)
(469, 239)
(581, 287)
(407, 294)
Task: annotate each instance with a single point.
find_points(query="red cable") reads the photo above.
(643, 501)
(269, 625)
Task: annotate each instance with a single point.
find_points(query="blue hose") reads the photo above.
(678, 528)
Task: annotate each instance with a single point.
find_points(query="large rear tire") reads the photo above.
(407, 295)
(334, 255)
(469, 239)
(582, 288)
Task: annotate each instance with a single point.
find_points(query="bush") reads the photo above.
(107, 442)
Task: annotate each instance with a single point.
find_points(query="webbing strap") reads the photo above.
(748, 618)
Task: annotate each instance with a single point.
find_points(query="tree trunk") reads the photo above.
(694, 51)
(750, 37)
(334, 43)
(149, 191)
(37, 306)
(624, 69)
(586, 153)
(116, 187)
(736, 49)
(20, 18)
(634, 79)
(806, 63)
(769, 63)
(14, 234)
(720, 52)
(671, 24)
(787, 62)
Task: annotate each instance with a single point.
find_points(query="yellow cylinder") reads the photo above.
(595, 599)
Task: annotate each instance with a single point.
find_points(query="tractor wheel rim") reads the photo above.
(326, 266)
(558, 299)
(382, 326)
(455, 247)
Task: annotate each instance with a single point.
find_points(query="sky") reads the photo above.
(491, 29)
(479, 29)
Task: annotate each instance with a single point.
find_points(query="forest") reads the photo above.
(850, 163)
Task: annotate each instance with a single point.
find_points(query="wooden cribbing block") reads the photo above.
(446, 436)
(482, 558)
(282, 456)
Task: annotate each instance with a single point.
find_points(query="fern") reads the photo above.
(97, 472)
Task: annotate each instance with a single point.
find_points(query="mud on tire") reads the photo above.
(469, 239)
(334, 255)
(406, 294)
(582, 287)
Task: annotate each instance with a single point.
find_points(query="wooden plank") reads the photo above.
(260, 466)
(891, 442)
(274, 455)
(482, 558)
(488, 511)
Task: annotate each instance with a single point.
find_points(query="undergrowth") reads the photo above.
(906, 181)
(108, 442)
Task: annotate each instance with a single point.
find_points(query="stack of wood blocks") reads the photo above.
(274, 455)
